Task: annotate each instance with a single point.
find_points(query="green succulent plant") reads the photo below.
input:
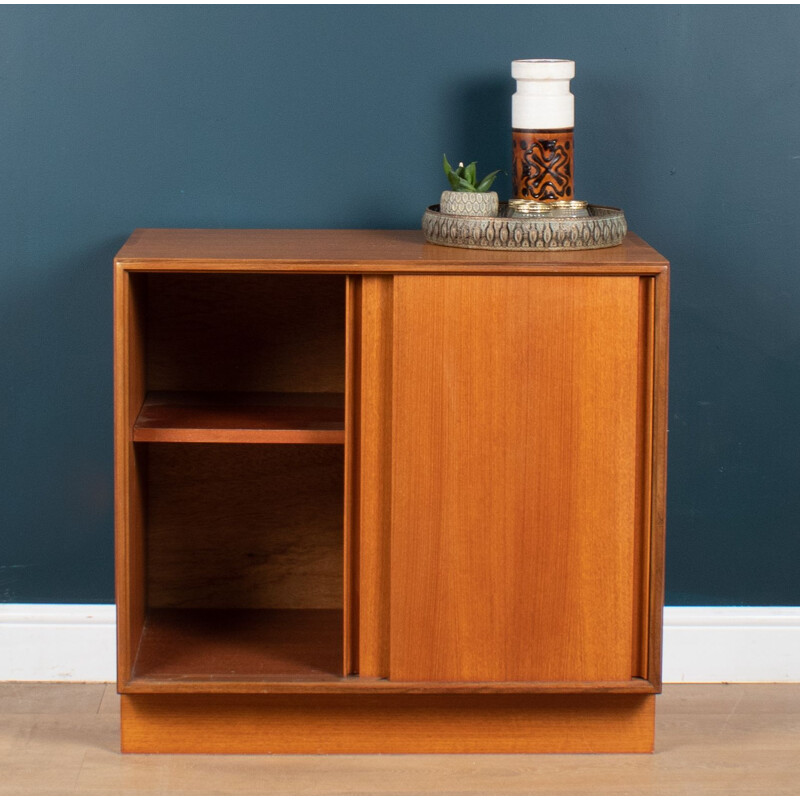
(465, 179)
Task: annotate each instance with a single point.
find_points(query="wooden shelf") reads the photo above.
(204, 644)
(241, 418)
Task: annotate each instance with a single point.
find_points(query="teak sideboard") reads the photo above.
(378, 495)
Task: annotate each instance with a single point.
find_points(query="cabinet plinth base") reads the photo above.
(395, 724)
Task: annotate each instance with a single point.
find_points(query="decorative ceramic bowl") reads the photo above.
(470, 204)
(602, 227)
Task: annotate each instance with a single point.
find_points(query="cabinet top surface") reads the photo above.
(359, 251)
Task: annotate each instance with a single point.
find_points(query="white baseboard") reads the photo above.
(58, 643)
(713, 644)
(708, 644)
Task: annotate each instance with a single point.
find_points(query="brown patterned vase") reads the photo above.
(542, 164)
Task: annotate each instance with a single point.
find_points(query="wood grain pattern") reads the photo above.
(659, 475)
(513, 501)
(239, 644)
(372, 252)
(375, 443)
(335, 724)
(245, 333)
(352, 470)
(644, 468)
(129, 465)
(245, 526)
(353, 684)
(241, 418)
(501, 488)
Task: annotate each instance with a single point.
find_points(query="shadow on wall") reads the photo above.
(471, 123)
(56, 445)
(478, 115)
(611, 162)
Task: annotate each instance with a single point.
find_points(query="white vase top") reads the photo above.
(543, 100)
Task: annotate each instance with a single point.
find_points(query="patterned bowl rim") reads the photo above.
(606, 212)
(605, 228)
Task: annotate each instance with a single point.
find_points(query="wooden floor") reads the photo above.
(710, 739)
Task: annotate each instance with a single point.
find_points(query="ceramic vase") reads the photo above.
(542, 122)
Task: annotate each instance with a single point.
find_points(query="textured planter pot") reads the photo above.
(470, 204)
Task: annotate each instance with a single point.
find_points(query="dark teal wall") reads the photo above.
(113, 118)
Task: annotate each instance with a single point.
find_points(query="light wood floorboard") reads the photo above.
(717, 739)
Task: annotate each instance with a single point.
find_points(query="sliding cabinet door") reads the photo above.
(514, 467)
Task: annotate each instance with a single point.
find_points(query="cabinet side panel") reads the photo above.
(129, 391)
(376, 469)
(644, 475)
(659, 474)
(514, 457)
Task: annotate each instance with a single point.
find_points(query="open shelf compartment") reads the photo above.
(234, 528)
(242, 644)
(244, 562)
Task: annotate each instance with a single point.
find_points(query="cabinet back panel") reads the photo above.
(246, 333)
(245, 526)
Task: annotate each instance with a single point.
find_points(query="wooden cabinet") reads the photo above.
(376, 495)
